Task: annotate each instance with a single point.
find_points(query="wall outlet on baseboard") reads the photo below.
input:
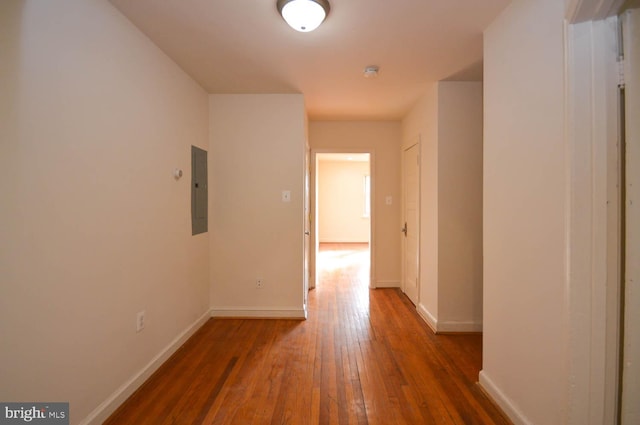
(140, 321)
(259, 283)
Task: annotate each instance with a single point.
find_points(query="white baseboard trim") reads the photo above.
(259, 313)
(387, 283)
(507, 406)
(107, 407)
(428, 317)
(459, 327)
(447, 327)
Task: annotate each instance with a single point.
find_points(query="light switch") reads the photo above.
(286, 196)
(389, 200)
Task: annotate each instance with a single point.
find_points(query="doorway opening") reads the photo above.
(342, 228)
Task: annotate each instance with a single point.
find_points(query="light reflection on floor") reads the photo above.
(344, 259)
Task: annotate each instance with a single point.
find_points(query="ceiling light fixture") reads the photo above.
(303, 15)
(371, 71)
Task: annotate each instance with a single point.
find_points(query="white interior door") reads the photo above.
(630, 396)
(411, 212)
(307, 229)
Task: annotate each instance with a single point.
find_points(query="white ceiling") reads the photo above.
(244, 46)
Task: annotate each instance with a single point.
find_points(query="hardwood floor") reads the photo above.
(363, 357)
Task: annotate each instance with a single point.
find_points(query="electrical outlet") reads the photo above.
(140, 321)
(259, 283)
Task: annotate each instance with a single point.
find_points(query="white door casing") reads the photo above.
(630, 396)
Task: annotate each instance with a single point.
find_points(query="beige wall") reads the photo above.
(383, 139)
(341, 200)
(448, 122)
(525, 213)
(257, 150)
(94, 228)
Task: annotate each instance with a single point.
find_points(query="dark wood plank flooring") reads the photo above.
(363, 357)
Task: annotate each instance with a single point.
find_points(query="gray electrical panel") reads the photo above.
(199, 196)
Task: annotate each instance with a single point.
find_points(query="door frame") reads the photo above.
(315, 243)
(629, 410)
(593, 239)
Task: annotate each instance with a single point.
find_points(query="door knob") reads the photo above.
(404, 229)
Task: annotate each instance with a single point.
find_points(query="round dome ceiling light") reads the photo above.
(303, 15)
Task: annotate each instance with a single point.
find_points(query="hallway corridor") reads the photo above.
(362, 357)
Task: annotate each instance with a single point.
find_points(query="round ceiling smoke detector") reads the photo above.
(371, 71)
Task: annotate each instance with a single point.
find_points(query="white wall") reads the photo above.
(448, 122)
(383, 138)
(257, 150)
(94, 228)
(341, 200)
(525, 208)
(460, 205)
